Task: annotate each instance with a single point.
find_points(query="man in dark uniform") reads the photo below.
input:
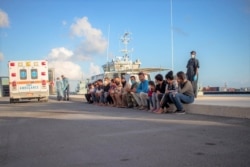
(192, 71)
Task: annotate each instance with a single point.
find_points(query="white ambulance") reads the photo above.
(28, 80)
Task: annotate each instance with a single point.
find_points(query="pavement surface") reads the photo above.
(215, 105)
(77, 134)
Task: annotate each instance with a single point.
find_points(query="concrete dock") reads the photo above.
(76, 134)
(227, 106)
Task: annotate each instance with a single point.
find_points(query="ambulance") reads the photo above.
(28, 80)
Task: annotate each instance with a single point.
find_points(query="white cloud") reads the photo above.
(60, 54)
(1, 56)
(94, 69)
(93, 41)
(59, 59)
(67, 68)
(4, 20)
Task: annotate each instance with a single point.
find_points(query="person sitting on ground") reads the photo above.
(99, 92)
(185, 92)
(118, 92)
(171, 87)
(112, 91)
(130, 100)
(105, 96)
(159, 91)
(151, 89)
(93, 93)
(141, 94)
(88, 94)
(125, 88)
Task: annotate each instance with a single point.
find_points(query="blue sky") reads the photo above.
(73, 35)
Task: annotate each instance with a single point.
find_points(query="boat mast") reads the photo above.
(125, 39)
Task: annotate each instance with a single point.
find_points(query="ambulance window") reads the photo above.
(23, 74)
(34, 74)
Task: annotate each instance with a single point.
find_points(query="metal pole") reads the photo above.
(172, 33)
(108, 50)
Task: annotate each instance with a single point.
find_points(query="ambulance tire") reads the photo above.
(43, 99)
(46, 99)
(14, 100)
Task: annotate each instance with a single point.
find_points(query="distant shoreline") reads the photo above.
(226, 93)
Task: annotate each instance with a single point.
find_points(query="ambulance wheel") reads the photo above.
(46, 99)
(14, 100)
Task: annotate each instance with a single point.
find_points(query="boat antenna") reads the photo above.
(172, 33)
(125, 39)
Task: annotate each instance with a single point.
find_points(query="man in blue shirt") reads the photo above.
(141, 93)
(65, 88)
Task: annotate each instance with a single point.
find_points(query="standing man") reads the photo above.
(192, 71)
(59, 89)
(65, 88)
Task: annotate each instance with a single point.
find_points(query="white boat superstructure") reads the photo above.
(122, 65)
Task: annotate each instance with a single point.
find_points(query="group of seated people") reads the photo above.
(154, 96)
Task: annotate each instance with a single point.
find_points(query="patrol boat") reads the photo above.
(123, 65)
